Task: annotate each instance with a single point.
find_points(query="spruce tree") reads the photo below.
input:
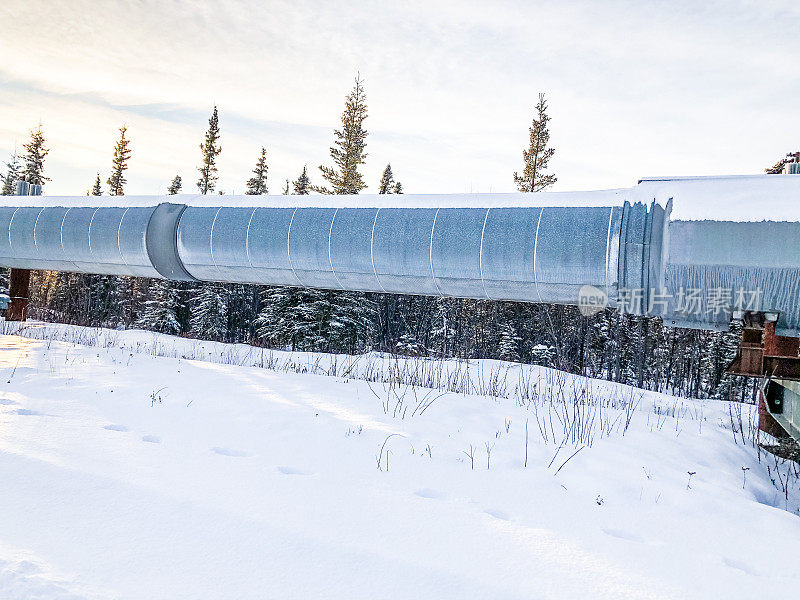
(777, 168)
(116, 294)
(543, 355)
(208, 303)
(257, 184)
(285, 190)
(175, 186)
(210, 149)
(509, 343)
(302, 185)
(13, 174)
(116, 181)
(209, 318)
(344, 317)
(534, 177)
(159, 312)
(442, 326)
(35, 153)
(314, 320)
(351, 321)
(96, 189)
(280, 321)
(208, 309)
(387, 184)
(348, 150)
(127, 294)
(398, 188)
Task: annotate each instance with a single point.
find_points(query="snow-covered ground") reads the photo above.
(136, 466)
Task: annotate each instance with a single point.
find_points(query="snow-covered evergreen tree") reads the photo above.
(125, 296)
(175, 186)
(277, 323)
(159, 309)
(12, 175)
(719, 350)
(398, 188)
(100, 308)
(116, 296)
(315, 320)
(67, 294)
(302, 185)
(409, 345)
(387, 183)
(35, 153)
(351, 322)
(209, 317)
(242, 301)
(122, 154)
(348, 151)
(257, 184)
(509, 343)
(285, 190)
(543, 355)
(295, 318)
(442, 332)
(207, 306)
(602, 344)
(210, 149)
(536, 157)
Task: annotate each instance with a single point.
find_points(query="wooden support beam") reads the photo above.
(19, 292)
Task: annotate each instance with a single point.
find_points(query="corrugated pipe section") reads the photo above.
(528, 254)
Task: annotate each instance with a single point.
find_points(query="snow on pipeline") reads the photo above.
(136, 465)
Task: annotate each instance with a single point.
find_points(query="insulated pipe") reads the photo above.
(496, 252)
(733, 233)
(758, 264)
(107, 241)
(528, 254)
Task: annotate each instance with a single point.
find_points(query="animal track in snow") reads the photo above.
(117, 427)
(230, 452)
(497, 514)
(739, 566)
(27, 411)
(292, 471)
(429, 493)
(153, 439)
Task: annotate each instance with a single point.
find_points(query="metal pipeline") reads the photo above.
(520, 247)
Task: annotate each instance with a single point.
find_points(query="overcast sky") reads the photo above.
(635, 88)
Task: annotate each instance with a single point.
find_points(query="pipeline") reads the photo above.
(622, 245)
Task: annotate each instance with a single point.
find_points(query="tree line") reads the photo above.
(639, 351)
